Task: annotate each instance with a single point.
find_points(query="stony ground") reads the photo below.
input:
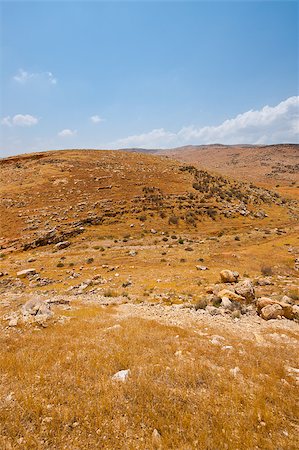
(186, 281)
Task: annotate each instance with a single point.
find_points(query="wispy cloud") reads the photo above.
(271, 124)
(23, 120)
(96, 119)
(67, 133)
(23, 77)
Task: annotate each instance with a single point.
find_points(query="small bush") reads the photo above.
(266, 270)
(173, 220)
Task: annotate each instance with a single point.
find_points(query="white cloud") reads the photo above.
(23, 120)
(96, 119)
(24, 77)
(271, 124)
(67, 133)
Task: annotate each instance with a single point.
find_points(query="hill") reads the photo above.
(141, 296)
(270, 164)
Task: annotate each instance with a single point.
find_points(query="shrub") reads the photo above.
(173, 220)
(266, 270)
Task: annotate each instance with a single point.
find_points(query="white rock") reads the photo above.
(25, 273)
(235, 371)
(122, 375)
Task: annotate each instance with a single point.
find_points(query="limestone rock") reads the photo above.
(61, 245)
(271, 311)
(264, 301)
(25, 273)
(246, 289)
(37, 310)
(228, 276)
(122, 375)
(225, 293)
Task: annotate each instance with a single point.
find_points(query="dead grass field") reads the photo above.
(57, 392)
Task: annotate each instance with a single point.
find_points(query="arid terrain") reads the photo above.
(150, 301)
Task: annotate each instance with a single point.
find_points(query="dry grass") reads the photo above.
(63, 396)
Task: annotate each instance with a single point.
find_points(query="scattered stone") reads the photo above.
(37, 310)
(201, 268)
(62, 245)
(156, 440)
(25, 273)
(228, 276)
(132, 253)
(13, 322)
(225, 293)
(122, 375)
(213, 310)
(245, 288)
(226, 303)
(271, 311)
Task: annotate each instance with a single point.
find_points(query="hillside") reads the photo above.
(141, 296)
(271, 164)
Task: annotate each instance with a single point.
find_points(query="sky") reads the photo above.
(152, 74)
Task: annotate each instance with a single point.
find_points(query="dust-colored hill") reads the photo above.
(48, 196)
(271, 164)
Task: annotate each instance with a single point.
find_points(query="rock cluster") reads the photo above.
(236, 297)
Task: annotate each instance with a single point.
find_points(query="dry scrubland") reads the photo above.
(144, 241)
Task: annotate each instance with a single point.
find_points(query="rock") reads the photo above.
(271, 311)
(228, 276)
(37, 308)
(31, 259)
(132, 253)
(226, 303)
(156, 440)
(246, 289)
(286, 299)
(25, 273)
(286, 310)
(61, 245)
(225, 293)
(202, 268)
(13, 322)
(153, 231)
(295, 310)
(122, 375)
(213, 310)
(236, 314)
(264, 301)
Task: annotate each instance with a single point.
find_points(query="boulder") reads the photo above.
(36, 309)
(25, 273)
(228, 276)
(271, 311)
(245, 289)
(232, 296)
(264, 301)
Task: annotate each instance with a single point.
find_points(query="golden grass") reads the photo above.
(62, 395)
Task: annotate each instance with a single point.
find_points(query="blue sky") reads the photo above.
(151, 74)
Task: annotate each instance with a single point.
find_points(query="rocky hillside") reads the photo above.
(52, 196)
(271, 164)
